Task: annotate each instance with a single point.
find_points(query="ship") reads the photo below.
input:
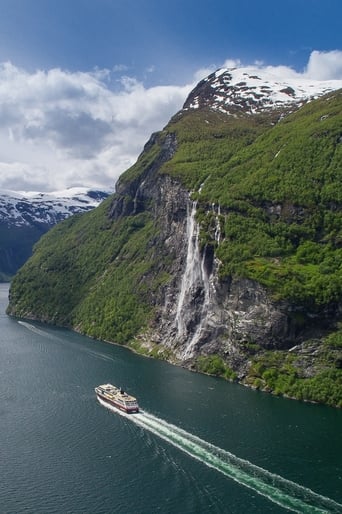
(117, 397)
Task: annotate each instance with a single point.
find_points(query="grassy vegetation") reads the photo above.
(207, 142)
(87, 272)
(279, 188)
(214, 365)
(283, 373)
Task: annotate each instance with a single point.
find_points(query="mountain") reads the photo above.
(221, 247)
(241, 91)
(25, 216)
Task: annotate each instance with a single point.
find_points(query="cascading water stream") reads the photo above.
(218, 224)
(204, 312)
(194, 286)
(192, 274)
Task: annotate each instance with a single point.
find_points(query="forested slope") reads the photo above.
(268, 207)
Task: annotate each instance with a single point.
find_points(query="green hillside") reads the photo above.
(280, 195)
(279, 188)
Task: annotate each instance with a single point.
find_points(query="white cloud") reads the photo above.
(120, 68)
(151, 68)
(204, 72)
(325, 65)
(61, 129)
(232, 63)
(321, 66)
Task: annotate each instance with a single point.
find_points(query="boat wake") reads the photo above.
(34, 329)
(279, 490)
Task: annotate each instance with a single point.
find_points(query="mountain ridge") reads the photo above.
(249, 90)
(220, 251)
(25, 216)
(25, 207)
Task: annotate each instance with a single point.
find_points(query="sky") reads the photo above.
(84, 83)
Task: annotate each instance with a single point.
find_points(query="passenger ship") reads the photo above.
(117, 397)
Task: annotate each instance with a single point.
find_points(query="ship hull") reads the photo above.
(113, 403)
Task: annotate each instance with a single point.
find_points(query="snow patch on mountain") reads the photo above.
(250, 90)
(18, 208)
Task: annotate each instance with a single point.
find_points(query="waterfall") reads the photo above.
(203, 313)
(136, 197)
(192, 273)
(194, 295)
(218, 223)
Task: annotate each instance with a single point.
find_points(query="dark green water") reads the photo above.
(200, 444)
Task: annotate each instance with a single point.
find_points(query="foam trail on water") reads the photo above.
(281, 491)
(34, 329)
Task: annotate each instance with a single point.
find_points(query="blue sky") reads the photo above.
(139, 59)
(163, 41)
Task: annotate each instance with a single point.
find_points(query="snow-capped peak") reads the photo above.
(27, 207)
(250, 90)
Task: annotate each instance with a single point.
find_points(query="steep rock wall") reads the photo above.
(196, 311)
(200, 313)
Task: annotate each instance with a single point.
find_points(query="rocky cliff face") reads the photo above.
(199, 312)
(221, 241)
